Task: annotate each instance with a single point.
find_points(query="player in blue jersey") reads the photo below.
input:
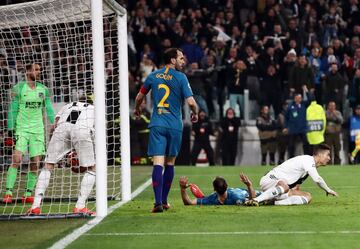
(169, 88)
(232, 196)
(222, 195)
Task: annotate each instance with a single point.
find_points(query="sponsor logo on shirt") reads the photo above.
(33, 105)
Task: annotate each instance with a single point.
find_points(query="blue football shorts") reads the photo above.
(164, 141)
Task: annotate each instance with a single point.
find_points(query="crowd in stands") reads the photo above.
(275, 49)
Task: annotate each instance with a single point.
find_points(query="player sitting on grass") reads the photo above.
(29, 99)
(227, 196)
(293, 172)
(74, 128)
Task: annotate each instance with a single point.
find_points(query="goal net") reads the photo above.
(57, 35)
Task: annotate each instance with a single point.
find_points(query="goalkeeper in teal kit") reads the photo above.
(25, 121)
(170, 88)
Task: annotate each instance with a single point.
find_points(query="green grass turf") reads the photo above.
(43, 233)
(322, 215)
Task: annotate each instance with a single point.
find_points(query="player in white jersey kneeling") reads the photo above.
(74, 128)
(289, 175)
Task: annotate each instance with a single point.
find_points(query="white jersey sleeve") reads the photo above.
(312, 171)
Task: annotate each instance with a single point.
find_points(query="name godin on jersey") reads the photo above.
(164, 76)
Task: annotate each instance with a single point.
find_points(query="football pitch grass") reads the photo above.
(327, 222)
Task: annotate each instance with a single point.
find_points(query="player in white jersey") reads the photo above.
(74, 128)
(290, 174)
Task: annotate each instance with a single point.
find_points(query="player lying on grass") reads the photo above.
(74, 128)
(29, 99)
(229, 196)
(293, 172)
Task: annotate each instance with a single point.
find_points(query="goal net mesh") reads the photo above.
(57, 35)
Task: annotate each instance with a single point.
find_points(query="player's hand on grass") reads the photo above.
(183, 182)
(333, 193)
(193, 117)
(245, 179)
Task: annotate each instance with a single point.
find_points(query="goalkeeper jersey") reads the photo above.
(26, 108)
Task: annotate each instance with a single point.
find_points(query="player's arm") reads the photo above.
(320, 181)
(140, 98)
(188, 95)
(194, 108)
(244, 179)
(13, 108)
(183, 182)
(49, 108)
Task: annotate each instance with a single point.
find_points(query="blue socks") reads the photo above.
(157, 182)
(167, 181)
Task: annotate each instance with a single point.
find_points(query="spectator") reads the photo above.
(316, 124)
(354, 129)
(271, 89)
(316, 66)
(195, 76)
(146, 67)
(236, 85)
(210, 79)
(286, 68)
(301, 78)
(202, 131)
(142, 132)
(354, 90)
(229, 137)
(281, 137)
(267, 133)
(295, 125)
(334, 121)
(334, 86)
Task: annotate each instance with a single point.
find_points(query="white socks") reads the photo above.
(269, 194)
(41, 186)
(86, 187)
(293, 200)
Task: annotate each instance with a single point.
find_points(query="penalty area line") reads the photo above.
(67, 240)
(224, 233)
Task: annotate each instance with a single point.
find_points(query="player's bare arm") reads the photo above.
(138, 100)
(183, 182)
(194, 109)
(244, 179)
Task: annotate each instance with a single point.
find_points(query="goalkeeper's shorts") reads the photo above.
(34, 141)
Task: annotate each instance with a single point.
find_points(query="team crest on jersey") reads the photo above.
(41, 95)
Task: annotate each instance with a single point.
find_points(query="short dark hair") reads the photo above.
(29, 67)
(170, 53)
(321, 147)
(220, 185)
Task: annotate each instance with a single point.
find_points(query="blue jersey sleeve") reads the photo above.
(185, 87)
(208, 200)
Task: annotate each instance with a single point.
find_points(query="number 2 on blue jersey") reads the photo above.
(166, 95)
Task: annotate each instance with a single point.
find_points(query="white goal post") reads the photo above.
(67, 39)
